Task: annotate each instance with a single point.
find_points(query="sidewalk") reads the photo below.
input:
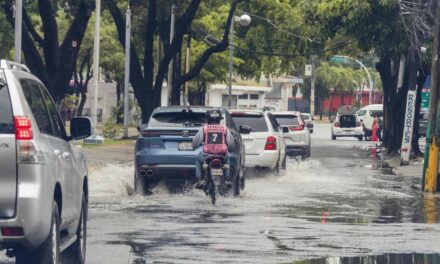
(414, 169)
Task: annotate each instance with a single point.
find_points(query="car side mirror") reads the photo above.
(309, 125)
(80, 127)
(285, 130)
(362, 120)
(246, 130)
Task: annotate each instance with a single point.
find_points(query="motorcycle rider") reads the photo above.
(223, 145)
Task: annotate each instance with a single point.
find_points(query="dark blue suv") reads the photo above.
(164, 150)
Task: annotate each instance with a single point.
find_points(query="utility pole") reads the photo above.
(231, 61)
(313, 84)
(127, 71)
(431, 176)
(96, 65)
(414, 65)
(187, 66)
(171, 65)
(18, 13)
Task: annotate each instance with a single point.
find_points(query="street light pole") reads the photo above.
(231, 61)
(171, 65)
(127, 70)
(18, 13)
(96, 65)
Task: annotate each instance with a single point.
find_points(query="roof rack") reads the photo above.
(5, 64)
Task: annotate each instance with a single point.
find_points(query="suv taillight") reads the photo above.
(27, 151)
(23, 129)
(336, 124)
(271, 143)
(297, 128)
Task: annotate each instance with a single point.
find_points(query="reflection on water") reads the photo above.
(381, 259)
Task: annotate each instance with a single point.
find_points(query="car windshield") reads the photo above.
(305, 117)
(177, 119)
(6, 117)
(378, 113)
(347, 121)
(287, 120)
(256, 122)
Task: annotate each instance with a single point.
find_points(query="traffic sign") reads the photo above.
(425, 99)
(340, 59)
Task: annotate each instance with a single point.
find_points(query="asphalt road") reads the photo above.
(341, 203)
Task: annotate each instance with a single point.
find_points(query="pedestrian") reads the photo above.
(374, 129)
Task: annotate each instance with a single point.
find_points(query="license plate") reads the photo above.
(216, 172)
(185, 146)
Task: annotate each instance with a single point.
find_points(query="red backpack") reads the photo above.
(215, 139)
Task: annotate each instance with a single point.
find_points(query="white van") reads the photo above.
(366, 115)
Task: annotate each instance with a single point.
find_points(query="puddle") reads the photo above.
(379, 259)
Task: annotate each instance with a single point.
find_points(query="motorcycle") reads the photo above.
(214, 169)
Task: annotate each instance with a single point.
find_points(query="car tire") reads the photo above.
(243, 179)
(333, 137)
(79, 249)
(360, 138)
(49, 251)
(236, 184)
(284, 163)
(142, 186)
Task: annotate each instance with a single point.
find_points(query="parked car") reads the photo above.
(43, 177)
(308, 120)
(347, 124)
(366, 116)
(265, 147)
(297, 136)
(164, 150)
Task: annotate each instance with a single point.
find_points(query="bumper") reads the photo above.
(34, 209)
(356, 132)
(267, 159)
(166, 171)
(296, 150)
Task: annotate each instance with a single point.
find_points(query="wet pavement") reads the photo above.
(342, 206)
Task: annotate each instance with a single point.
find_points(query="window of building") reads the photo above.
(255, 96)
(243, 96)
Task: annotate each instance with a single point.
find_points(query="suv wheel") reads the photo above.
(243, 178)
(333, 137)
(141, 186)
(284, 163)
(79, 248)
(49, 251)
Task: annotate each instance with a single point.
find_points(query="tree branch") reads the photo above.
(50, 29)
(31, 28)
(175, 45)
(222, 46)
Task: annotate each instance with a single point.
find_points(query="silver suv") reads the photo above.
(43, 178)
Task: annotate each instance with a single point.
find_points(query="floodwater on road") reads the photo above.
(341, 206)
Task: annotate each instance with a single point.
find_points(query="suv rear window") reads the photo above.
(256, 122)
(376, 112)
(6, 117)
(177, 119)
(287, 120)
(347, 121)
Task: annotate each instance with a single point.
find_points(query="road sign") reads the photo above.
(340, 59)
(425, 99)
(309, 70)
(408, 128)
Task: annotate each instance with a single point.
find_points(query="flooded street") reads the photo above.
(341, 203)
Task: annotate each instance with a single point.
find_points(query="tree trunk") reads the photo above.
(79, 111)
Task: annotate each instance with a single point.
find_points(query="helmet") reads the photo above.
(213, 116)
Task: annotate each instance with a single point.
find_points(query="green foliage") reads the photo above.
(111, 130)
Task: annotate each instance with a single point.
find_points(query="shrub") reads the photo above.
(111, 130)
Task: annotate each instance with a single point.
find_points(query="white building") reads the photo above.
(282, 92)
(247, 94)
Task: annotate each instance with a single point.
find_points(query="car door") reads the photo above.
(69, 178)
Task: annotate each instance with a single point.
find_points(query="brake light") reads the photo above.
(23, 129)
(27, 150)
(297, 128)
(336, 124)
(12, 231)
(271, 143)
(216, 164)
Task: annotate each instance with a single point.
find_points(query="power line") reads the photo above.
(276, 54)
